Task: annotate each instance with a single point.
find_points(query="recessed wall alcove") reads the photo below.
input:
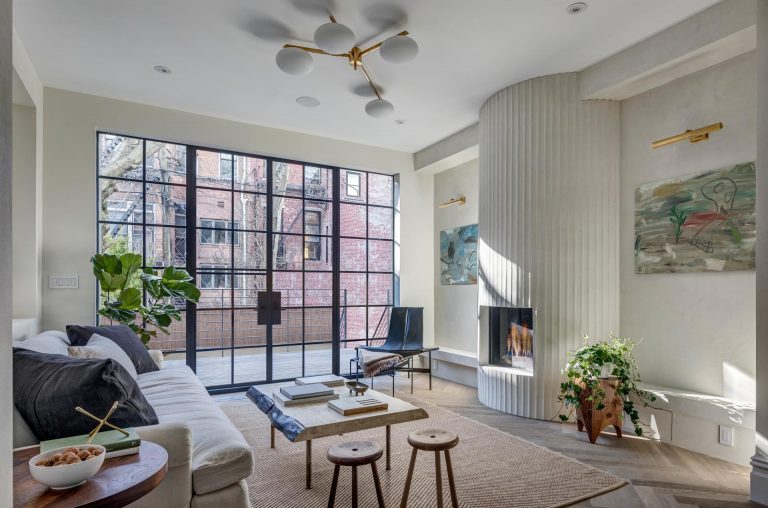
(549, 230)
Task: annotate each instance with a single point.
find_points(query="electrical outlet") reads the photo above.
(63, 282)
(726, 435)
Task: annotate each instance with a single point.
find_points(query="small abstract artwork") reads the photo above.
(458, 255)
(700, 223)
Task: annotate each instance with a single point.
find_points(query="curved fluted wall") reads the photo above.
(549, 228)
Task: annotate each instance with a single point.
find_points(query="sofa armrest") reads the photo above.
(176, 438)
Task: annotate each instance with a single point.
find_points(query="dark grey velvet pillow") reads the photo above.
(48, 387)
(120, 335)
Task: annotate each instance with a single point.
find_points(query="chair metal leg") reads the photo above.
(271, 436)
(411, 374)
(388, 451)
(408, 478)
(451, 483)
(309, 464)
(438, 480)
(430, 369)
(354, 486)
(377, 485)
(334, 484)
(393, 381)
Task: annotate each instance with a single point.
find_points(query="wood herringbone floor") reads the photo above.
(661, 475)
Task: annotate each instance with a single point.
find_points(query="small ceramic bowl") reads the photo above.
(356, 387)
(69, 475)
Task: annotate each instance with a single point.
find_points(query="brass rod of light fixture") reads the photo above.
(315, 50)
(378, 44)
(333, 20)
(693, 136)
(455, 201)
(370, 81)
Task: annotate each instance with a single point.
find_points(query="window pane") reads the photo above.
(250, 251)
(379, 222)
(166, 246)
(322, 210)
(250, 365)
(247, 287)
(353, 186)
(289, 252)
(378, 322)
(120, 156)
(352, 289)
(120, 238)
(212, 247)
(318, 253)
(352, 220)
(317, 325)
(250, 211)
(121, 201)
(214, 329)
(379, 289)
(353, 323)
(251, 174)
(209, 174)
(166, 162)
(166, 204)
(214, 205)
(318, 289)
(353, 255)
(286, 215)
(318, 359)
(287, 179)
(379, 256)
(247, 330)
(289, 284)
(318, 182)
(289, 331)
(175, 340)
(380, 189)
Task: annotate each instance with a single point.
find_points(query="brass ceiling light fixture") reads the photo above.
(335, 39)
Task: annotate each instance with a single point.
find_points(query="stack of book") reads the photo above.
(115, 442)
(329, 380)
(305, 394)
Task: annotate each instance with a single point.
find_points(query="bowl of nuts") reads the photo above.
(64, 468)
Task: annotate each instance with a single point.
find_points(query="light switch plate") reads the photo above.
(726, 435)
(63, 282)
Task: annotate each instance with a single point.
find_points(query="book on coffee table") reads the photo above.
(286, 402)
(306, 391)
(357, 405)
(329, 380)
(115, 442)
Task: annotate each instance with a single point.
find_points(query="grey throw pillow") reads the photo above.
(48, 387)
(122, 336)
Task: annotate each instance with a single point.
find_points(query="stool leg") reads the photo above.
(388, 448)
(377, 485)
(404, 500)
(451, 483)
(438, 480)
(271, 436)
(354, 486)
(309, 464)
(334, 484)
(411, 375)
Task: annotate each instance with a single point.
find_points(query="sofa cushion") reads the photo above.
(220, 455)
(103, 348)
(51, 342)
(48, 387)
(122, 336)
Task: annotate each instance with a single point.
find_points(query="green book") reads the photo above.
(111, 440)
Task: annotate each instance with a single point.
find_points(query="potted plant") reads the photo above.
(123, 285)
(600, 378)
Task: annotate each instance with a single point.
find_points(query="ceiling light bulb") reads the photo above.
(399, 49)
(294, 61)
(379, 108)
(334, 38)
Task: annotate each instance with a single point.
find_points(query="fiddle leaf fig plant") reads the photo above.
(593, 362)
(123, 285)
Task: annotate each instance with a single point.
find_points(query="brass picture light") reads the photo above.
(693, 136)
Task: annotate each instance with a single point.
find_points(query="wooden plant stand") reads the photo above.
(595, 420)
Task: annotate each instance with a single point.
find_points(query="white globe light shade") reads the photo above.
(334, 38)
(399, 49)
(294, 61)
(379, 108)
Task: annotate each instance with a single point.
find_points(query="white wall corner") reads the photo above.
(26, 70)
(452, 151)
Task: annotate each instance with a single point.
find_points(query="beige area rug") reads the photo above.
(492, 468)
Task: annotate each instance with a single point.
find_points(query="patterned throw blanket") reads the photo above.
(375, 362)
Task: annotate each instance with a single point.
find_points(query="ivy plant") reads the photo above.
(123, 284)
(592, 362)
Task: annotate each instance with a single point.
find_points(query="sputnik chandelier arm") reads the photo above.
(332, 39)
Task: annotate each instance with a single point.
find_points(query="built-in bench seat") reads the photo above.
(692, 420)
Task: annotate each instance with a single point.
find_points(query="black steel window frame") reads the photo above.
(190, 230)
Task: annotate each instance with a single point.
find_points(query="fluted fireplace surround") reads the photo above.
(549, 231)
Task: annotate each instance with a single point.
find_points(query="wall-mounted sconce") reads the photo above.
(693, 136)
(455, 201)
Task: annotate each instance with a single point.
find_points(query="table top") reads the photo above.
(120, 481)
(312, 421)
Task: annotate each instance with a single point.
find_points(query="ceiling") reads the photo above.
(222, 55)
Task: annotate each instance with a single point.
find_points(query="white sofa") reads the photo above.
(208, 458)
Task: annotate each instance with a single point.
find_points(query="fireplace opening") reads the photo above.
(511, 337)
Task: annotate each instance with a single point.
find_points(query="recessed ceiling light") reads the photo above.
(162, 69)
(307, 101)
(399, 122)
(577, 8)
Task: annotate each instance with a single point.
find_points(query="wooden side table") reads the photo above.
(120, 481)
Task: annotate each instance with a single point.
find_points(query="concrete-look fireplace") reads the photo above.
(548, 237)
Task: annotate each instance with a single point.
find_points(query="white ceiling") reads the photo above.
(222, 54)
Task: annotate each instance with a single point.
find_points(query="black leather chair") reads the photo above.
(405, 337)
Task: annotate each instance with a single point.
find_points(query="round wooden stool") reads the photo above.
(355, 453)
(433, 440)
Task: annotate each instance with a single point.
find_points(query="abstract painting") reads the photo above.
(458, 255)
(699, 223)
